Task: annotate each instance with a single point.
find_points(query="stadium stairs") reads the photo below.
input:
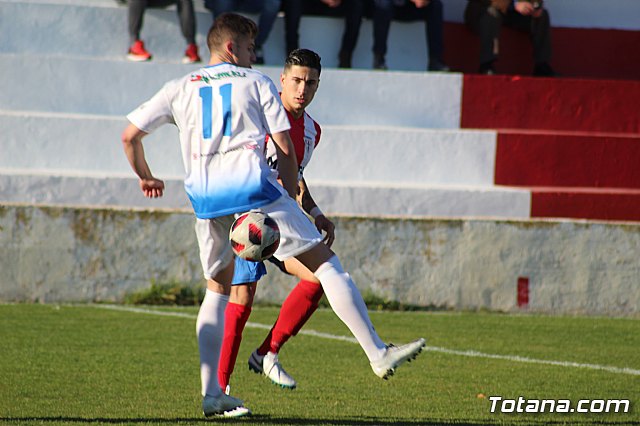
(573, 143)
(395, 143)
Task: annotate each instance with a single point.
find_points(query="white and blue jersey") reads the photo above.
(223, 113)
(305, 134)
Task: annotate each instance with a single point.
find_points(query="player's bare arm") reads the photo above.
(287, 162)
(309, 205)
(133, 149)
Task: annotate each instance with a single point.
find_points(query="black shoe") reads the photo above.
(379, 62)
(438, 65)
(487, 68)
(543, 69)
(344, 60)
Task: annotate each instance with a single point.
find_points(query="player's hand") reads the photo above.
(421, 3)
(324, 224)
(152, 187)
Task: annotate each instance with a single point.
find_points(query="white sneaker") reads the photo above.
(270, 367)
(223, 406)
(395, 356)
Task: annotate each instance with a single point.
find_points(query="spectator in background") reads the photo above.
(352, 10)
(268, 10)
(137, 51)
(409, 10)
(486, 17)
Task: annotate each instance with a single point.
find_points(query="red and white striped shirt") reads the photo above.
(305, 135)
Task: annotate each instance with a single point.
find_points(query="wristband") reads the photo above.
(315, 212)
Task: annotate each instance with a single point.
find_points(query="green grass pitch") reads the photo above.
(83, 364)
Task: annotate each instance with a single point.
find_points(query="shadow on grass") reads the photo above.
(269, 420)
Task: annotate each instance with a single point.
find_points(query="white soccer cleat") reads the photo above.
(395, 356)
(270, 367)
(223, 406)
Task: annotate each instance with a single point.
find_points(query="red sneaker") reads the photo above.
(191, 55)
(138, 53)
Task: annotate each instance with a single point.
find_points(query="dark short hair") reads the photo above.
(303, 58)
(230, 25)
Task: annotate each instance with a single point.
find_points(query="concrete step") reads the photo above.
(79, 144)
(97, 29)
(614, 14)
(356, 170)
(61, 188)
(421, 201)
(61, 28)
(504, 102)
(82, 143)
(56, 187)
(116, 86)
(590, 38)
(586, 203)
(397, 156)
(363, 171)
(567, 159)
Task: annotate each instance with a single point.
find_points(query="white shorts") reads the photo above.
(297, 235)
(213, 240)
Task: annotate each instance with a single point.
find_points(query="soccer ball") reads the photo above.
(254, 236)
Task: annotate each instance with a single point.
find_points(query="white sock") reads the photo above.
(210, 330)
(346, 301)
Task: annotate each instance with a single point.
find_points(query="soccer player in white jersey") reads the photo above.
(223, 113)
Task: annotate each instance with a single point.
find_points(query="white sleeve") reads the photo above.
(153, 113)
(275, 115)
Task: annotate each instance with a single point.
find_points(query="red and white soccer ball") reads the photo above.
(254, 236)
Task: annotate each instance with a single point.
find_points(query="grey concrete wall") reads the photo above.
(65, 254)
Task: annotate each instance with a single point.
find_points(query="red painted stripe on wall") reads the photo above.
(596, 53)
(582, 204)
(551, 159)
(514, 102)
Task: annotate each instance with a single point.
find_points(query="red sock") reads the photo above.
(235, 317)
(297, 308)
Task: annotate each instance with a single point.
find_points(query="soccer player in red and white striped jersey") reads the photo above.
(299, 80)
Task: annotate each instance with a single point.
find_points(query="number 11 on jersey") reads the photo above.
(206, 94)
